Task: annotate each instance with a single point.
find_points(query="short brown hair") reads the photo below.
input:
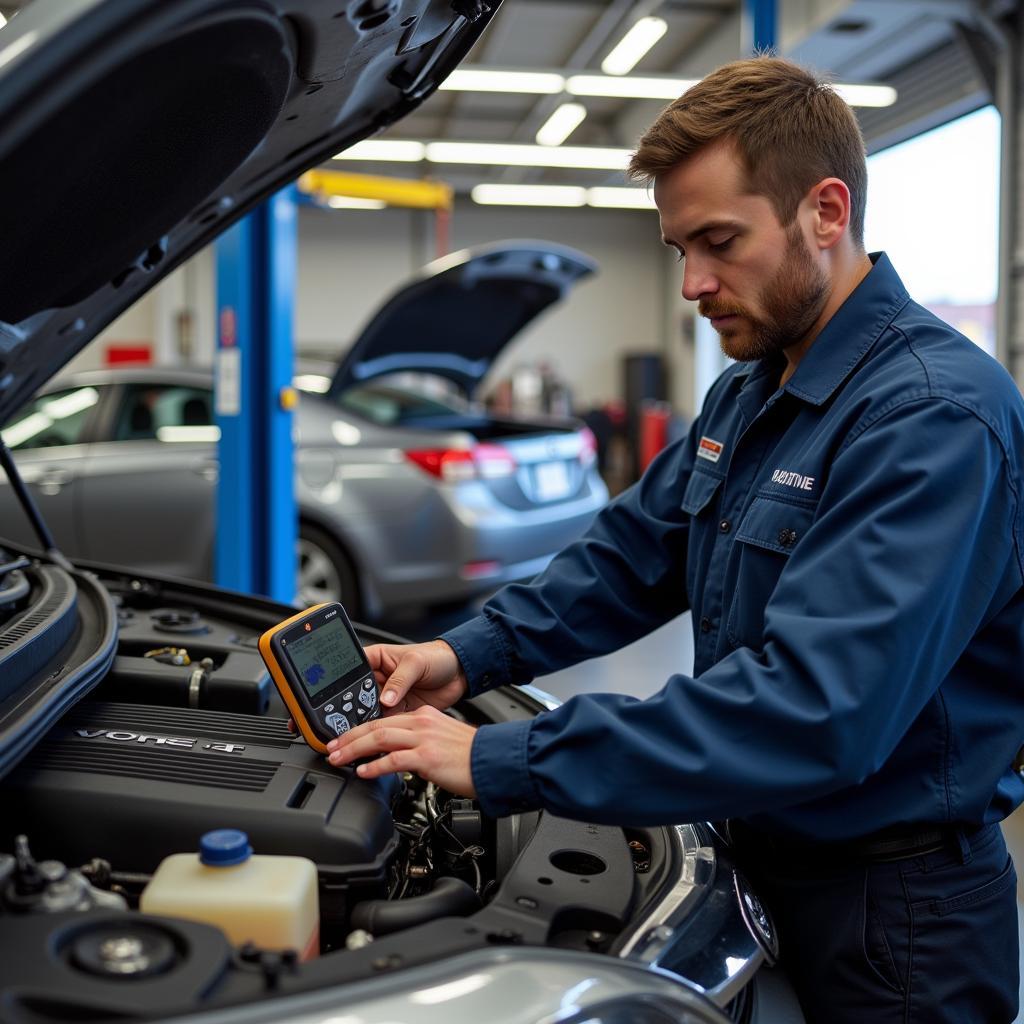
(790, 128)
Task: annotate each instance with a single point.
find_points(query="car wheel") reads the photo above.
(325, 572)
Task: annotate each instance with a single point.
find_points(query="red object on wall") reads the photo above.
(137, 353)
(654, 420)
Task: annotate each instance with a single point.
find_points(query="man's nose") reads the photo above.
(697, 281)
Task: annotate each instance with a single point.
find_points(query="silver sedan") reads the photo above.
(393, 511)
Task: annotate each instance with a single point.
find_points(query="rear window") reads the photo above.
(161, 412)
(390, 406)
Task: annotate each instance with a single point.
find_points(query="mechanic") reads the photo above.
(845, 522)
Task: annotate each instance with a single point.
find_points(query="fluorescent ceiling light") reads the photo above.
(662, 88)
(649, 87)
(529, 195)
(3, 21)
(500, 153)
(511, 154)
(867, 95)
(633, 45)
(482, 80)
(384, 149)
(633, 87)
(354, 203)
(561, 124)
(621, 198)
(563, 195)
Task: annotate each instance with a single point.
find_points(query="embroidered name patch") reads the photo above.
(787, 479)
(710, 450)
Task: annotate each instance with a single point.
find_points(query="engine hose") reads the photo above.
(450, 897)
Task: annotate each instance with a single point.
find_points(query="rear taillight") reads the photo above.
(482, 461)
(450, 464)
(493, 461)
(588, 447)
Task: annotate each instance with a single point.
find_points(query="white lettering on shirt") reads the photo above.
(787, 479)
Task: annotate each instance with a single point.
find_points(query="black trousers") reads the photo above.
(927, 939)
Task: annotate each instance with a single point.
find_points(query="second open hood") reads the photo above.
(457, 315)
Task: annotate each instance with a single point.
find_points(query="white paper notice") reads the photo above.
(229, 382)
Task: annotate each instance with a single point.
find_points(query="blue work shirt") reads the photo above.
(852, 548)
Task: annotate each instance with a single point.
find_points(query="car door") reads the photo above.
(48, 438)
(149, 492)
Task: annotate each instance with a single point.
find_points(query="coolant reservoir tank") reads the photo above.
(268, 900)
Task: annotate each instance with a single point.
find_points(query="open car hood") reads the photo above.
(133, 132)
(457, 315)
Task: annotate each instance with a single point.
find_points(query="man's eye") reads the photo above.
(680, 256)
(722, 246)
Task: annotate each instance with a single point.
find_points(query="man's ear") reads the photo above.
(829, 203)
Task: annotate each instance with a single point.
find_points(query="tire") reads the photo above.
(325, 572)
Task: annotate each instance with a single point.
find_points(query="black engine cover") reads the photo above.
(133, 783)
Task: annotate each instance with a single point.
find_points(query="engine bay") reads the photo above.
(184, 734)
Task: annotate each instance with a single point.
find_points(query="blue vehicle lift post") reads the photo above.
(256, 530)
(760, 25)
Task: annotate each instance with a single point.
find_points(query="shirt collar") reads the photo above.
(845, 339)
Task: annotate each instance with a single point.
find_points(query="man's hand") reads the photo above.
(412, 676)
(425, 741)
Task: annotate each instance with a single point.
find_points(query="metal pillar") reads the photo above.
(760, 26)
(256, 511)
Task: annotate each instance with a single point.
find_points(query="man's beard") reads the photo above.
(792, 302)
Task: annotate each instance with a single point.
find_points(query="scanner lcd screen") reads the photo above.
(324, 656)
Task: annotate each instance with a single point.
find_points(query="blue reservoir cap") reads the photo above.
(224, 847)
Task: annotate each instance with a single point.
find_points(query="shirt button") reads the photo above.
(787, 537)
(705, 625)
(724, 526)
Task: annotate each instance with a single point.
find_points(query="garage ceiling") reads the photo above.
(921, 46)
(914, 44)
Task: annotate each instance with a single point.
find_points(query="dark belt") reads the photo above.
(890, 844)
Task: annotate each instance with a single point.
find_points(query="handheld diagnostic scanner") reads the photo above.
(321, 672)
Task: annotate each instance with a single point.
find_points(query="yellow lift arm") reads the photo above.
(421, 195)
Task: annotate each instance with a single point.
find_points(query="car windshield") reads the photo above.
(388, 406)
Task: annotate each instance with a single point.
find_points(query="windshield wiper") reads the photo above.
(52, 553)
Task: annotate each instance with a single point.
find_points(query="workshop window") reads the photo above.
(933, 206)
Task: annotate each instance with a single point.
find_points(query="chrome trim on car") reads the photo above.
(665, 938)
(521, 986)
(542, 697)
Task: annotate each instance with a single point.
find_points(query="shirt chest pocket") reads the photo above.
(766, 538)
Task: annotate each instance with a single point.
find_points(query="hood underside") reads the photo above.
(457, 315)
(133, 132)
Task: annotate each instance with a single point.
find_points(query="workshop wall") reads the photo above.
(350, 261)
